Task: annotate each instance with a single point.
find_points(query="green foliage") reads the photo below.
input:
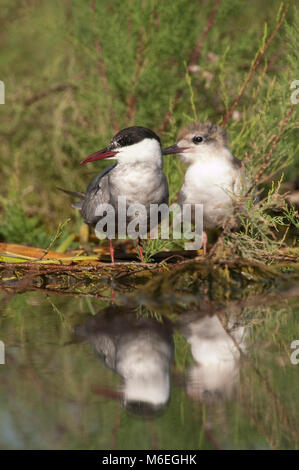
(152, 247)
(17, 227)
(264, 225)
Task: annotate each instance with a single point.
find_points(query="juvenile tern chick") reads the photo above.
(214, 176)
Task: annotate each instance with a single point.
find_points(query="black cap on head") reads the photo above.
(133, 135)
(124, 138)
(144, 409)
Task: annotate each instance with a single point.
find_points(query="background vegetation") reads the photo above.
(48, 365)
(77, 71)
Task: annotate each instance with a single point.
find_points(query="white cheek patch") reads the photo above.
(195, 153)
(192, 155)
(188, 157)
(147, 149)
(207, 155)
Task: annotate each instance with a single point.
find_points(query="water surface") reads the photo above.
(81, 373)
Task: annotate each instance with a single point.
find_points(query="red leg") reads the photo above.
(204, 242)
(140, 250)
(112, 295)
(111, 251)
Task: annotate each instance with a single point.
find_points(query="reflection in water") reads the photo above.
(83, 394)
(216, 352)
(140, 350)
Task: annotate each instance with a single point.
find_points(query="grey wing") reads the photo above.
(97, 193)
(182, 197)
(95, 183)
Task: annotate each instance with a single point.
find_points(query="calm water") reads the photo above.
(80, 374)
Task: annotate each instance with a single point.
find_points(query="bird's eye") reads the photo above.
(197, 139)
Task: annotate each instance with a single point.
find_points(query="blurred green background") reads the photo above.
(77, 71)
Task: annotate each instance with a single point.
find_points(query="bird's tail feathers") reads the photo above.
(72, 193)
(76, 205)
